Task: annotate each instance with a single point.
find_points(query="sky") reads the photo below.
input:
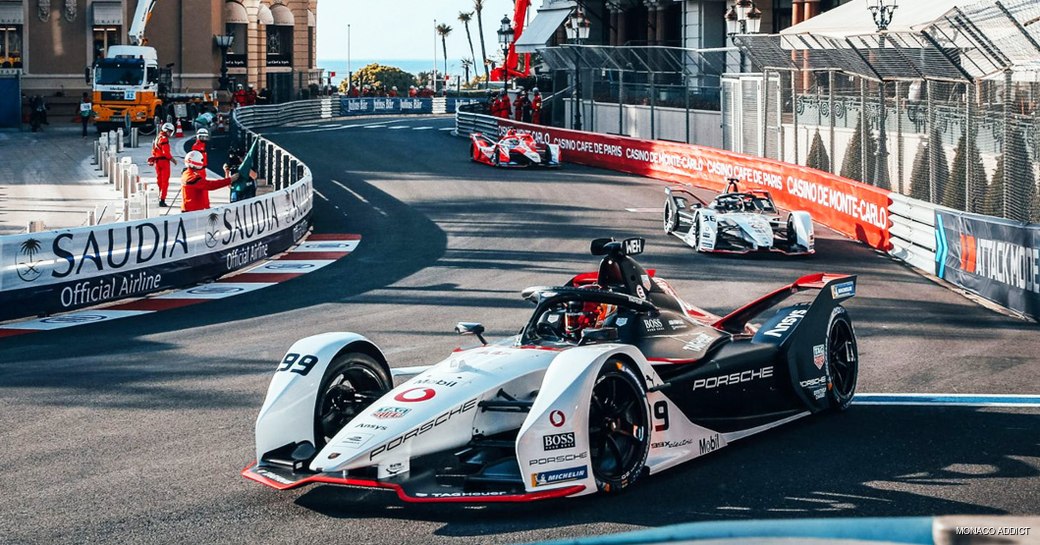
(403, 29)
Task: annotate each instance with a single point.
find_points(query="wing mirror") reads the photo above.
(601, 335)
(533, 293)
(471, 328)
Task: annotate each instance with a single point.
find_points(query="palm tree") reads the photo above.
(464, 18)
(478, 7)
(466, 65)
(443, 30)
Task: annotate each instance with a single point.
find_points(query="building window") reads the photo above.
(279, 45)
(238, 53)
(11, 46)
(105, 36)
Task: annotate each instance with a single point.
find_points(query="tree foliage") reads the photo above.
(852, 165)
(1022, 196)
(818, 157)
(920, 174)
(378, 75)
(955, 191)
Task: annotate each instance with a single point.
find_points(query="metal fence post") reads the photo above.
(764, 115)
(832, 122)
(284, 168)
(864, 134)
(794, 108)
(278, 171)
(1008, 178)
(933, 147)
(969, 146)
(621, 102)
(899, 138)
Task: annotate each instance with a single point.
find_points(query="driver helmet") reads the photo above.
(168, 128)
(579, 315)
(202, 135)
(534, 89)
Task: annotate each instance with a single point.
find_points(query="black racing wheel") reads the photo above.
(671, 217)
(619, 427)
(792, 236)
(842, 359)
(352, 382)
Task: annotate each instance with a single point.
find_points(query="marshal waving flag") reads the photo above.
(245, 186)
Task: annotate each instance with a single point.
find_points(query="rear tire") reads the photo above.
(352, 382)
(619, 427)
(842, 360)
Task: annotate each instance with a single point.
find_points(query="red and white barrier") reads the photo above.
(852, 208)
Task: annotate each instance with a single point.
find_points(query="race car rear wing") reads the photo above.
(842, 286)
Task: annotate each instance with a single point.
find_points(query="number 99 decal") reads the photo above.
(294, 363)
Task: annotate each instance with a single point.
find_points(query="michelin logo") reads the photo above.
(546, 478)
(843, 290)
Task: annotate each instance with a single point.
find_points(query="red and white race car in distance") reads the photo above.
(513, 150)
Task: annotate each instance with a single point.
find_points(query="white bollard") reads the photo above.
(92, 217)
(119, 140)
(134, 137)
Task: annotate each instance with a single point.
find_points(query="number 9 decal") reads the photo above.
(661, 413)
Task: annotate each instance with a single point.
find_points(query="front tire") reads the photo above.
(842, 360)
(619, 427)
(352, 382)
(671, 217)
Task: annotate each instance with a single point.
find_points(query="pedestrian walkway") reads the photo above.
(48, 177)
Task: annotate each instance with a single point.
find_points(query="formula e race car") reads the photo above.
(612, 378)
(515, 149)
(736, 222)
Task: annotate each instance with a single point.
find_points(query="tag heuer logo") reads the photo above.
(390, 412)
(27, 267)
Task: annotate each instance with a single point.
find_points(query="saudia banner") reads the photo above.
(997, 259)
(857, 210)
(55, 271)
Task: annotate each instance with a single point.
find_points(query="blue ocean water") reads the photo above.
(412, 66)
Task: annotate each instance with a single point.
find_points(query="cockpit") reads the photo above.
(744, 202)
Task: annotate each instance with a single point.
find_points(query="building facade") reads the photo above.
(52, 42)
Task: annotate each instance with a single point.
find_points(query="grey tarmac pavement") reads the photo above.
(135, 431)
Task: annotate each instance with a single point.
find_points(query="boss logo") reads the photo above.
(558, 441)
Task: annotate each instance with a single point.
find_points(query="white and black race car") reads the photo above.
(736, 222)
(612, 378)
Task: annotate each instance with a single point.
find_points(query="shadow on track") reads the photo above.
(870, 461)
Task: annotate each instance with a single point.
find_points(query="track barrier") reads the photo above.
(46, 272)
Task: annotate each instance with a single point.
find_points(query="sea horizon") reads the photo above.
(412, 66)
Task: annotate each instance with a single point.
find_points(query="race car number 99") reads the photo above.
(294, 363)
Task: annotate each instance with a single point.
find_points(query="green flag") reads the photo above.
(248, 162)
(244, 187)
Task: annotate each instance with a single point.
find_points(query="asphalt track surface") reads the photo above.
(135, 431)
